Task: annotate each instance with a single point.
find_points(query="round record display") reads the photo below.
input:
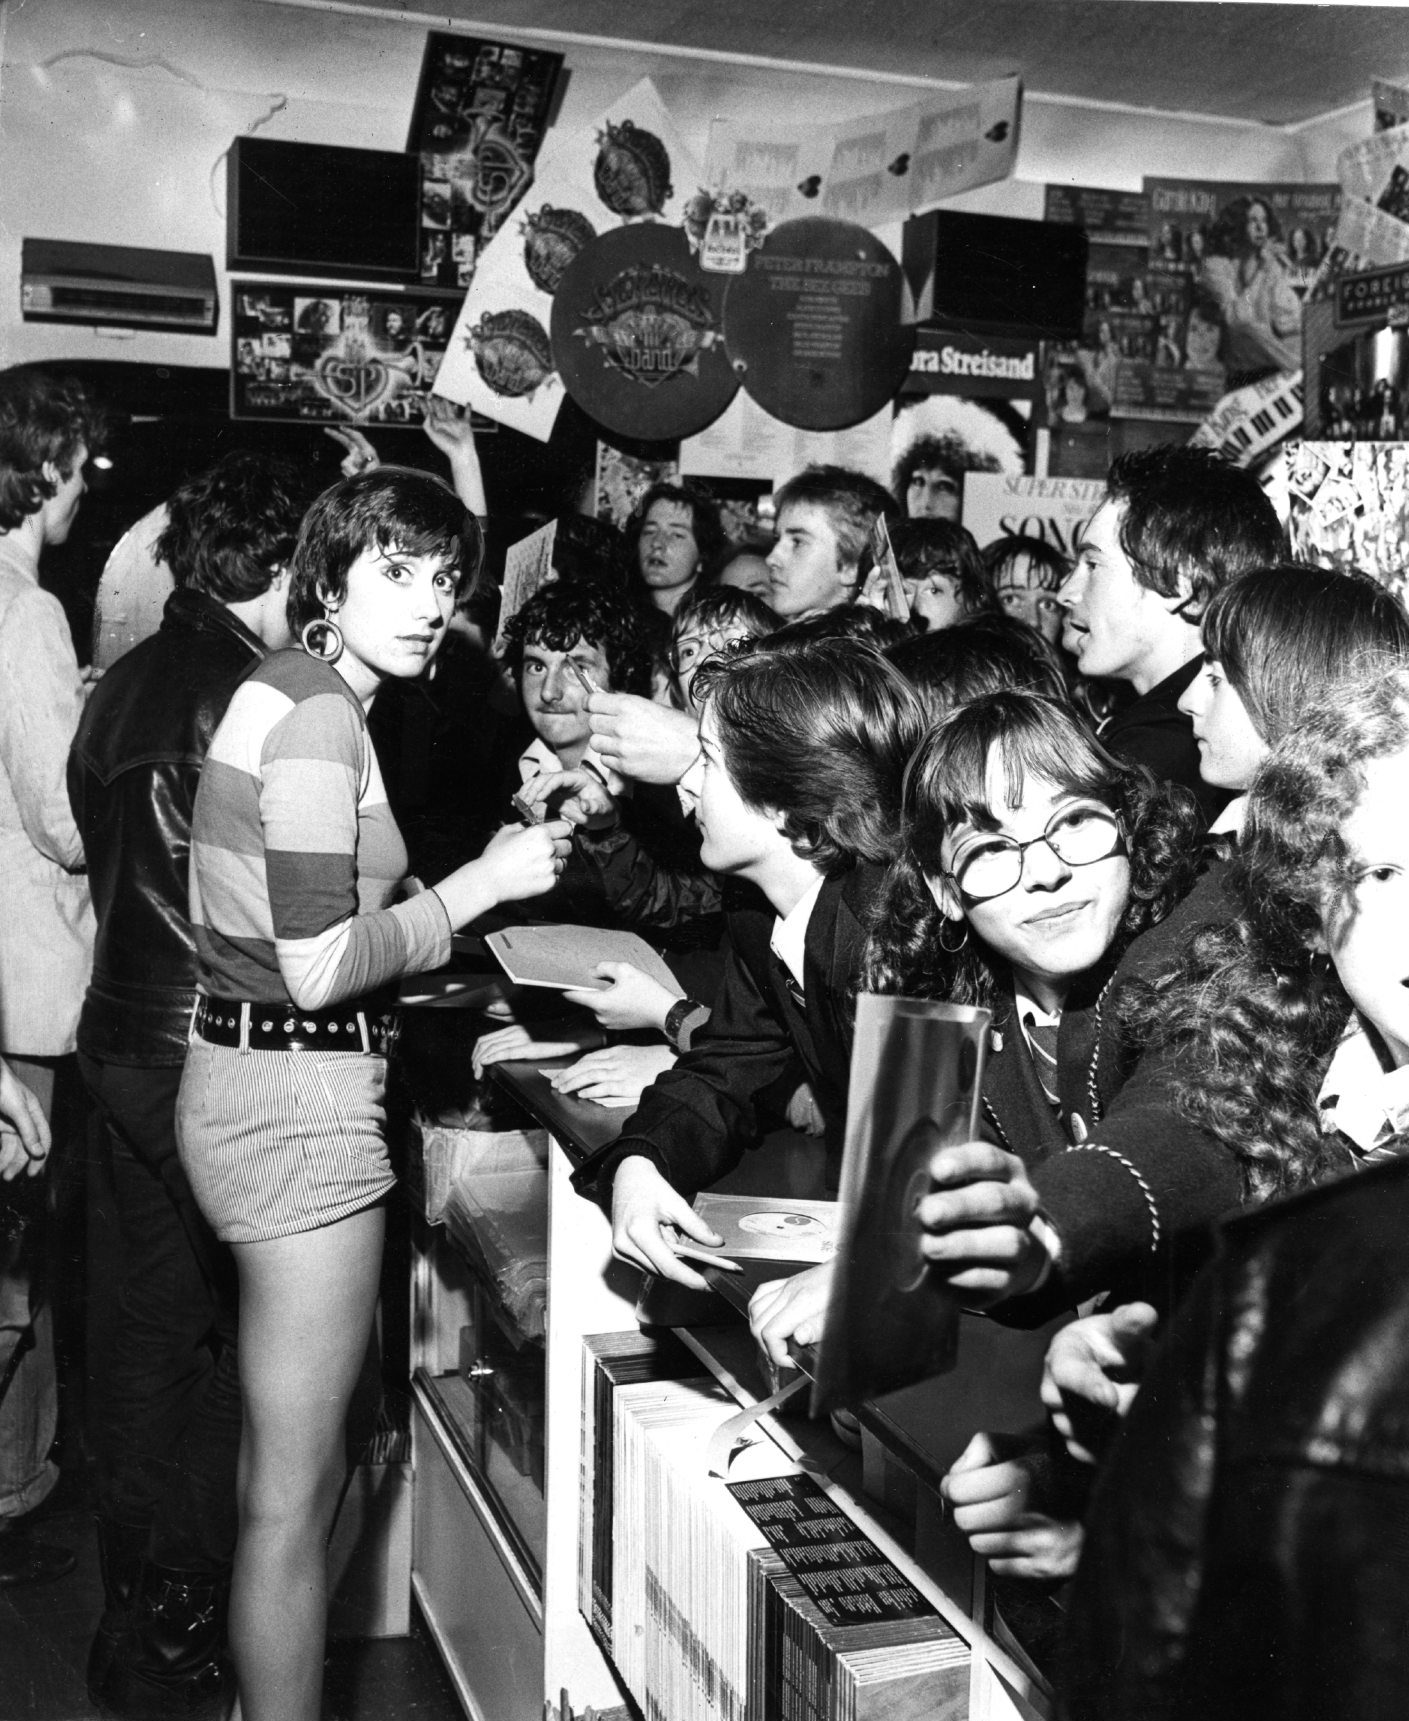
(638, 335)
(813, 324)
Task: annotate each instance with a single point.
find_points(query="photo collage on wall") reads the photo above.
(334, 355)
(479, 118)
(1193, 288)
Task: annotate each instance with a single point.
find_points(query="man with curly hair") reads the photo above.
(569, 638)
(48, 427)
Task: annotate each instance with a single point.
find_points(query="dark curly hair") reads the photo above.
(232, 527)
(44, 420)
(948, 454)
(561, 614)
(1253, 1012)
(946, 785)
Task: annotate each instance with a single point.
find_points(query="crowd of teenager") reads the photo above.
(1145, 808)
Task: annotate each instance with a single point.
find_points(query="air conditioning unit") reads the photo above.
(66, 282)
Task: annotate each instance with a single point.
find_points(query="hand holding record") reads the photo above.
(977, 1223)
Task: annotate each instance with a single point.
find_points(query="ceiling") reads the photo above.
(1278, 64)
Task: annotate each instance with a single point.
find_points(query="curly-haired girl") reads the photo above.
(1292, 1020)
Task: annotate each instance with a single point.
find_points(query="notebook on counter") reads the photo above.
(565, 958)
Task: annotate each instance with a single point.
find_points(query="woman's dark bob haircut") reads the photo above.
(391, 508)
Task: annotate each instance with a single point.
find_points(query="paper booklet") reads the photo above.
(565, 958)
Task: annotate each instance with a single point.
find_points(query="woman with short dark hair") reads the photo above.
(302, 930)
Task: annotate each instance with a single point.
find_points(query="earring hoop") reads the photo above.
(322, 638)
(953, 949)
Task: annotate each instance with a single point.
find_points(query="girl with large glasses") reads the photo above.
(1038, 873)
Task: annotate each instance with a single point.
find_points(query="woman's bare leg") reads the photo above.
(306, 1307)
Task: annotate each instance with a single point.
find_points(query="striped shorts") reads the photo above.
(282, 1141)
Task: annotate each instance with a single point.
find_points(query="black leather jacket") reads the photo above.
(132, 776)
(1248, 1543)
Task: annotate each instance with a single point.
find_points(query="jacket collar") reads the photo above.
(185, 608)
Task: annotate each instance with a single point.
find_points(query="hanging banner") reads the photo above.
(880, 167)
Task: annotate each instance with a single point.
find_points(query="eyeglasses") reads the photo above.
(691, 649)
(1077, 835)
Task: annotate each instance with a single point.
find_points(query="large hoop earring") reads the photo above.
(322, 638)
(953, 949)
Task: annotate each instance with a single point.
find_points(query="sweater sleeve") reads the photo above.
(322, 863)
(1134, 1206)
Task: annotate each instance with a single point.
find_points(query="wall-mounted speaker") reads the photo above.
(994, 272)
(317, 209)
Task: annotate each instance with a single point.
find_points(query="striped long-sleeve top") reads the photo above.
(295, 855)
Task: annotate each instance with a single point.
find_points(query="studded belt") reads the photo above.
(282, 1028)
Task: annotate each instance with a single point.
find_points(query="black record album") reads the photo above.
(916, 1078)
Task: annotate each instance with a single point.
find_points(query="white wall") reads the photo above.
(115, 116)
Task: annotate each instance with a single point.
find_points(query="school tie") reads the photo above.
(1042, 1037)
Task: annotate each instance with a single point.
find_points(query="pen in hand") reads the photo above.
(696, 1252)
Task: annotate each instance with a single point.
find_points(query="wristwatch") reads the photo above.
(683, 1020)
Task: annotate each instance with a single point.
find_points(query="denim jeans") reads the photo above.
(28, 1392)
(165, 1408)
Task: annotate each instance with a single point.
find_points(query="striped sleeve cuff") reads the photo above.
(426, 928)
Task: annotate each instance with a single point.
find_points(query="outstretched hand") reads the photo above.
(1092, 1372)
(632, 1000)
(992, 1486)
(360, 456)
(640, 739)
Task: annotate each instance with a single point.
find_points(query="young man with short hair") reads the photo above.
(797, 790)
(1176, 524)
(825, 515)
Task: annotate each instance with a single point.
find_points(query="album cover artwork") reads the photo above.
(478, 121)
(330, 355)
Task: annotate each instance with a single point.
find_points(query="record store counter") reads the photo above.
(512, 1274)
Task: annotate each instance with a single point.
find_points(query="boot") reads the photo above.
(170, 1660)
(120, 1550)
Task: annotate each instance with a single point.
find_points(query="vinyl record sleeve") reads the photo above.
(771, 1227)
(916, 1080)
